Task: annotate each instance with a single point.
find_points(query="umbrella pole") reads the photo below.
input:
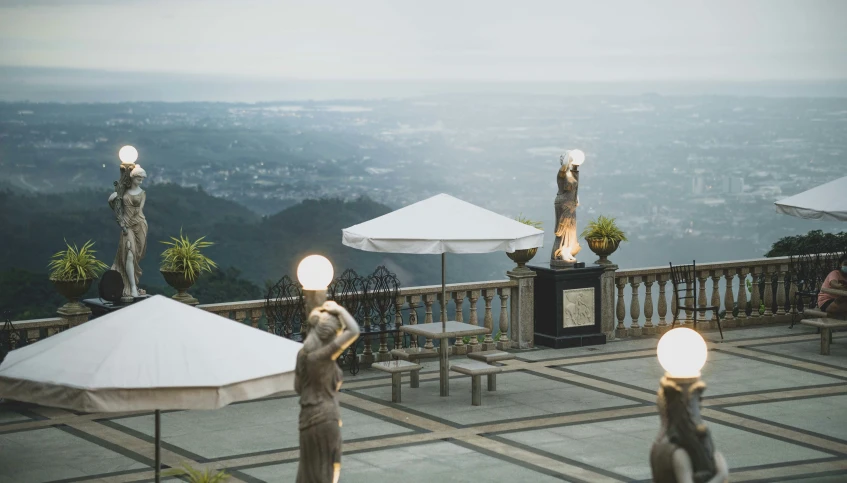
(443, 294)
(444, 347)
(158, 456)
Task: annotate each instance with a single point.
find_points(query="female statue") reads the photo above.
(317, 379)
(128, 204)
(683, 451)
(566, 245)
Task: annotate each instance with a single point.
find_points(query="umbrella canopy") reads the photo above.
(442, 224)
(826, 202)
(153, 355)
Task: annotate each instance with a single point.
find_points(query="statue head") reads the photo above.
(137, 174)
(325, 325)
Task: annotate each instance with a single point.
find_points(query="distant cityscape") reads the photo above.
(686, 177)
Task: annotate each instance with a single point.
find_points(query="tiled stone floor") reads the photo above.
(777, 410)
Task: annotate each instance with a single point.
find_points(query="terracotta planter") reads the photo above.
(602, 248)
(181, 283)
(73, 290)
(522, 256)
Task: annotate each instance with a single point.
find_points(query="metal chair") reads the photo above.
(684, 278)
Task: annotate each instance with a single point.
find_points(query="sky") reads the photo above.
(492, 40)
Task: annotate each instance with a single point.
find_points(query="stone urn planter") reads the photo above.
(522, 256)
(603, 247)
(181, 283)
(74, 311)
(73, 290)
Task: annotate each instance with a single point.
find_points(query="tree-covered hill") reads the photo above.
(261, 249)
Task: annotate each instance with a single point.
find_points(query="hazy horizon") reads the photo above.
(435, 41)
(38, 84)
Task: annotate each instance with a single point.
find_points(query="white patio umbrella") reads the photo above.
(825, 202)
(153, 355)
(442, 224)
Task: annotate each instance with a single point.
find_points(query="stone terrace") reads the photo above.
(777, 410)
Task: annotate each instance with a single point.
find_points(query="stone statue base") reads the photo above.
(567, 306)
(100, 306)
(566, 264)
(561, 264)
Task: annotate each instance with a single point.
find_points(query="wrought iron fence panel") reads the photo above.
(285, 309)
(348, 291)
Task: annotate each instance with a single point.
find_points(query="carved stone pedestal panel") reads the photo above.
(568, 306)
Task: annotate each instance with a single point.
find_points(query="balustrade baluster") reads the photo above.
(255, 315)
(728, 298)
(459, 298)
(792, 296)
(620, 309)
(715, 275)
(701, 297)
(367, 351)
(504, 343)
(742, 295)
(473, 297)
(414, 303)
(780, 290)
(663, 303)
(634, 307)
(755, 296)
(399, 302)
(689, 304)
(428, 301)
(488, 318)
(383, 338)
(649, 328)
(769, 291)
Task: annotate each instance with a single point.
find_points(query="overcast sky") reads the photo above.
(500, 40)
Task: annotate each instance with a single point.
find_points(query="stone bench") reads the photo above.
(820, 314)
(396, 369)
(488, 357)
(826, 327)
(414, 354)
(476, 369)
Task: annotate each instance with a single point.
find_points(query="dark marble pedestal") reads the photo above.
(100, 306)
(567, 306)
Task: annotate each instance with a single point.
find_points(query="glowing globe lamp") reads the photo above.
(314, 272)
(682, 352)
(577, 157)
(128, 154)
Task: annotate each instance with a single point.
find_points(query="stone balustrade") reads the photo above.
(478, 303)
(640, 303)
(645, 304)
(417, 305)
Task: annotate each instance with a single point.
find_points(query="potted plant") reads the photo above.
(522, 256)
(603, 237)
(182, 262)
(72, 271)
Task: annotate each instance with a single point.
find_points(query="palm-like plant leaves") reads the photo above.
(197, 476)
(604, 228)
(526, 221)
(75, 264)
(183, 255)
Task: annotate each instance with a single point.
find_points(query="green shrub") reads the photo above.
(604, 228)
(184, 256)
(75, 264)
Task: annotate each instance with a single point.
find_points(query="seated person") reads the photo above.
(837, 279)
